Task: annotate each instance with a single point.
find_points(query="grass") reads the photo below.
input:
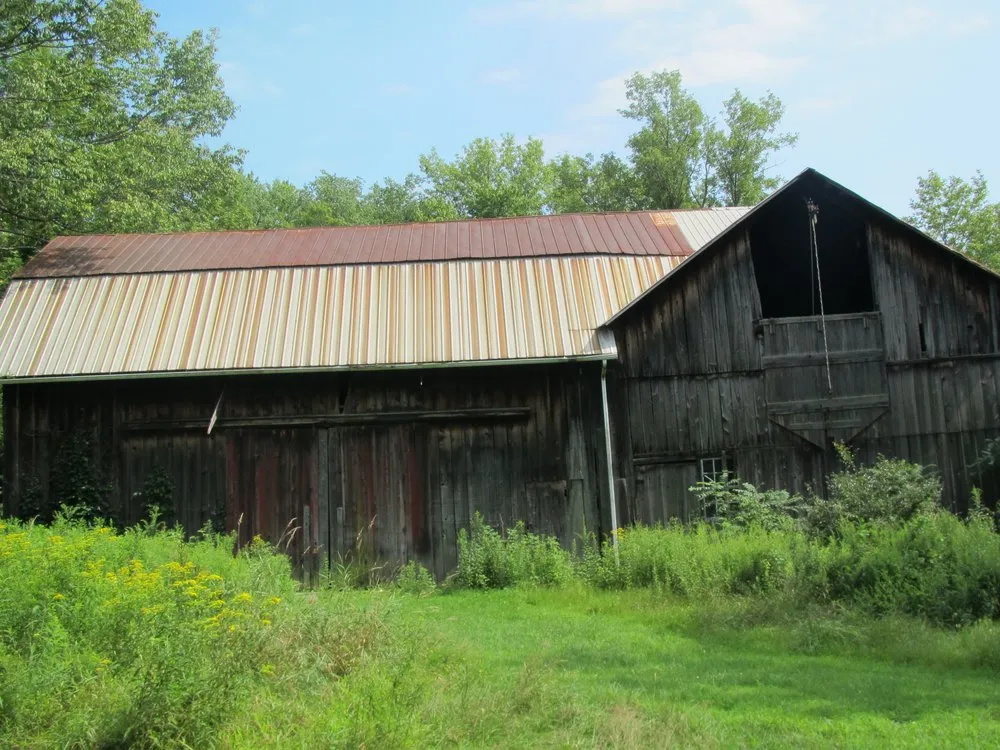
(585, 668)
(140, 639)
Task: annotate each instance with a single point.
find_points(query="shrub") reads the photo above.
(934, 566)
(141, 639)
(695, 561)
(414, 578)
(736, 503)
(488, 559)
(891, 491)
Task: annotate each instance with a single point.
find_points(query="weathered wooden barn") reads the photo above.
(375, 386)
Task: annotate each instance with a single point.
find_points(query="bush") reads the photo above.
(695, 561)
(141, 639)
(732, 502)
(414, 578)
(488, 559)
(934, 566)
(891, 491)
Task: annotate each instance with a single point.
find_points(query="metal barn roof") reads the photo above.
(328, 317)
(143, 305)
(638, 233)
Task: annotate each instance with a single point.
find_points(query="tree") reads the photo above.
(683, 158)
(583, 183)
(101, 125)
(667, 152)
(490, 178)
(958, 213)
(403, 202)
(738, 154)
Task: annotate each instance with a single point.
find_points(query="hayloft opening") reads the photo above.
(785, 261)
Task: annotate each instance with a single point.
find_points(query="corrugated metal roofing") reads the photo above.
(635, 233)
(701, 226)
(320, 317)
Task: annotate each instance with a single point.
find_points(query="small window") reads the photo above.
(714, 469)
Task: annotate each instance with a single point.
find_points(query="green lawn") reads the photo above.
(574, 668)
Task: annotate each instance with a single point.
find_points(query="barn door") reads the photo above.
(272, 488)
(825, 378)
(375, 483)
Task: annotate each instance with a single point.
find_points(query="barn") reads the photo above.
(371, 388)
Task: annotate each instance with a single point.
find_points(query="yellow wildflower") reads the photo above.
(56, 539)
(243, 597)
(274, 600)
(265, 622)
(57, 596)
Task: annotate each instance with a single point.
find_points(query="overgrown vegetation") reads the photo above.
(879, 543)
(142, 638)
(488, 559)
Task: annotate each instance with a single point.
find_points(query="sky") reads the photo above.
(879, 91)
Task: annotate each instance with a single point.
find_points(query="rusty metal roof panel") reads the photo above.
(701, 226)
(671, 233)
(385, 315)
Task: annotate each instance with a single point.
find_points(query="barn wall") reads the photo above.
(702, 375)
(385, 465)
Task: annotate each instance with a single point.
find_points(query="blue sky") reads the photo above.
(880, 91)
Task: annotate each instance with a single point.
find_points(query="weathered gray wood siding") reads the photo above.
(702, 374)
(390, 465)
(941, 322)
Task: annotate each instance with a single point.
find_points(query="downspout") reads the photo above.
(609, 460)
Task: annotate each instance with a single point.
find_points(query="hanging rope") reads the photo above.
(813, 211)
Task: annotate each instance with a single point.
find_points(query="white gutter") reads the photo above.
(610, 464)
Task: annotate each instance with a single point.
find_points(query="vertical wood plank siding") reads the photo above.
(514, 444)
(702, 375)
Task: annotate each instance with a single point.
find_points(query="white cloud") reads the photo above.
(241, 83)
(501, 76)
(968, 25)
(750, 41)
(893, 23)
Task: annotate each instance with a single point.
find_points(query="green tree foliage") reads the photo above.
(331, 200)
(958, 213)
(668, 151)
(490, 178)
(737, 153)
(583, 183)
(101, 121)
(682, 158)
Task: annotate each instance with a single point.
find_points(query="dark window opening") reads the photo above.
(714, 469)
(785, 263)
(923, 338)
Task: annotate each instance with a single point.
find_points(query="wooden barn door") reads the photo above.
(272, 489)
(375, 480)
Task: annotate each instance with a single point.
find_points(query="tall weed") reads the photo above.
(488, 559)
(694, 561)
(143, 639)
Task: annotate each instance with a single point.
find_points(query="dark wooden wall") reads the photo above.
(702, 374)
(386, 465)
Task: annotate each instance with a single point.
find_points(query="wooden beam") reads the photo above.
(333, 420)
(828, 404)
(819, 358)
